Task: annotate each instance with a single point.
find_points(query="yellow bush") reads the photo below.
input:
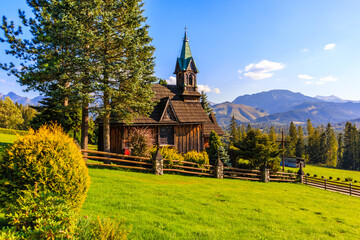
(201, 158)
(48, 159)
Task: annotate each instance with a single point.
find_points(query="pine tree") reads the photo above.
(292, 139)
(205, 103)
(216, 150)
(233, 130)
(272, 134)
(340, 150)
(300, 143)
(331, 147)
(351, 152)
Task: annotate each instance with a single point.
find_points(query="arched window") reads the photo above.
(191, 81)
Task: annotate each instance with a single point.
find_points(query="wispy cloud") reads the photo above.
(2, 81)
(262, 70)
(329, 46)
(328, 79)
(305, 76)
(322, 80)
(305, 50)
(208, 89)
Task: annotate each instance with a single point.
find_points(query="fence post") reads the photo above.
(266, 175)
(158, 163)
(350, 188)
(305, 179)
(325, 183)
(219, 169)
(301, 174)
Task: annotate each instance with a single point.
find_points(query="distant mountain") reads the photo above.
(242, 113)
(21, 100)
(275, 101)
(331, 98)
(318, 112)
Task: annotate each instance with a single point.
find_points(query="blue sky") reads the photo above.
(245, 47)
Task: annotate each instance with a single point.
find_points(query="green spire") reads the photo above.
(185, 56)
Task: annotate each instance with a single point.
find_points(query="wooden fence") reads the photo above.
(345, 188)
(182, 167)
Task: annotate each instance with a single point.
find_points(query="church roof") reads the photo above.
(185, 56)
(184, 112)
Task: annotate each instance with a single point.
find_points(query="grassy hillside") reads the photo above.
(181, 207)
(333, 172)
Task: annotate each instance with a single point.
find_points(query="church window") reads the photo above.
(167, 135)
(191, 81)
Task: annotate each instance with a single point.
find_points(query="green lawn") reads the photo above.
(182, 207)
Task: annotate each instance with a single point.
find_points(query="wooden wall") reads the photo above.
(187, 138)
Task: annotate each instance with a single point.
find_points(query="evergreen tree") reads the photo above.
(234, 137)
(292, 139)
(205, 103)
(300, 143)
(322, 145)
(272, 134)
(10, 115)
(216, 150)
(259, 150)
(331, 147)
(350, 152)
(340, 150)
(28, 113)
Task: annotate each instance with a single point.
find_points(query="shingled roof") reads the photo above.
(185, 112)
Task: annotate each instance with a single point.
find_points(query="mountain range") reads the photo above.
(21, 100)
(275, 107)
(279, 107)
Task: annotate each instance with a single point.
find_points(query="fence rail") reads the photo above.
(345, 188)
(159, 166)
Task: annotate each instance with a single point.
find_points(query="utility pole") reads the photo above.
(283, 148)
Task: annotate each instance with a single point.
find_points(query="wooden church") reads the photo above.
(178, 120)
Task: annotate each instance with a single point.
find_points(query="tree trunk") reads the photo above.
(106, 122)
(85, 127)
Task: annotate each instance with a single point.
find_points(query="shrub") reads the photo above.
(348, 179)
(48, 157)
(13, 131)
(355, 181)
(322, 176)
(338, 179)
(41, 215)
(140, 142)
(308, 174)
(201, 158)
(330, 177)
(315, 175)
(168, 153)
(245, 164)
(89, 228)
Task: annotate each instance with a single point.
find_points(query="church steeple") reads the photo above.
(185, 68)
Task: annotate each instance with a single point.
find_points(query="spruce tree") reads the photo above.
(331, 147)
(205, 103)
(272, 134)
(300, 143)
(292, 139)
(233, 130)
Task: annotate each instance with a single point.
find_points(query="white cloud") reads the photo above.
(328, 79)
(2, 80)
(208, 89)
(262, 70)
(329, 46)
(305, 76)
(216, 91)
(309, 82)
(171, 80)
(305, 50)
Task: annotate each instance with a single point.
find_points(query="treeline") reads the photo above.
(14, 115)
(320, 145)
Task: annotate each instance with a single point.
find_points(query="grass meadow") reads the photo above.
(182, 207)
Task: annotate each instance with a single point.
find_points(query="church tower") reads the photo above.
(185, 71)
